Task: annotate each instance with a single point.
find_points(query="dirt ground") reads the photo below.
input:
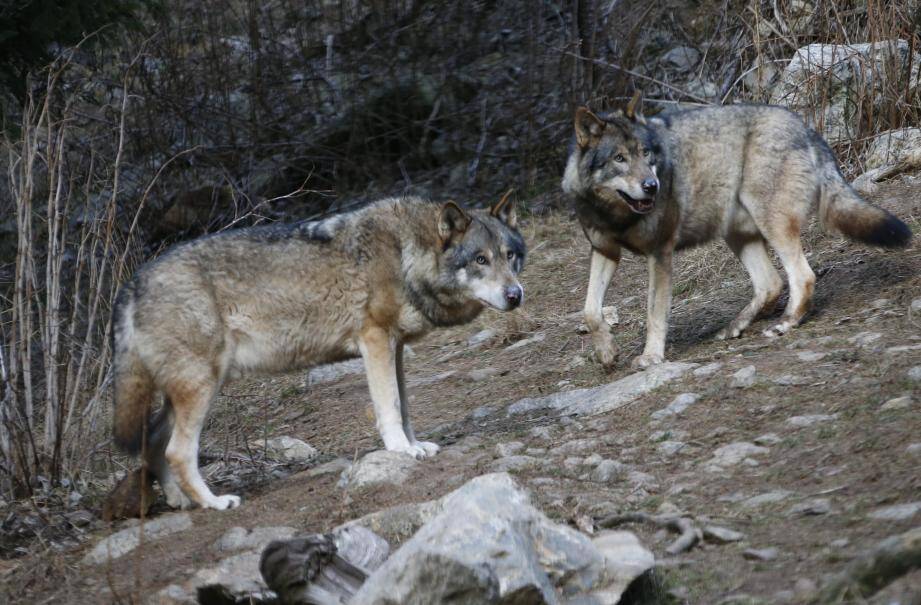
(857, 459)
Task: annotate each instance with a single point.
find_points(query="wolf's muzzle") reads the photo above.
(513, 295)
(650, 186)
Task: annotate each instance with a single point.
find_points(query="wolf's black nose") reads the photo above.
(513, 296)
(650, 186)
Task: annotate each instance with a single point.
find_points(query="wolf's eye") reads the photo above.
(645, 153)
(481, 260)
(510, 255)
(619, 158)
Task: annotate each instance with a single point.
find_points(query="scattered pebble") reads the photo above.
(762, 554)
(862, 339)
(914, 449)
(708, 369)
(810, 356)
(790, 380)
(480, 337)
(915, 306)
(914, 374)
(896, 512)
(817, 506)
(670, 448)
(539, 337)
(768, 439)
(509, 449)
(594, 460)
(540, 432)
(840, 543)
(721, 535)
(733, 454)
(481, 374)
(744, 378)
(897, 403)
(678, 405)
(810, 419)
(766, 498)
(607, 471)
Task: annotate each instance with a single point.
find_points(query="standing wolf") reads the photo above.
(749, 174)
(291, 296)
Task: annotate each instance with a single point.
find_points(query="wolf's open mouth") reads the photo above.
(640, 206)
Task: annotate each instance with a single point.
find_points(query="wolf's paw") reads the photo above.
(223, 502)
(727, 333)
(175, 498)
(430, 448)
(606, 356)
(778, 329)
(644, 361)
(416, 450)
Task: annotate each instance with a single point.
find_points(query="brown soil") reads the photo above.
(858, 461)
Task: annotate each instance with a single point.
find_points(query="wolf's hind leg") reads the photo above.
(156, 458)
(800, 277)
(430, 448)
(600, 274)
(191, 396)
(766, 282)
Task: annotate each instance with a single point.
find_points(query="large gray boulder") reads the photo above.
(829, 84)
(489, 544)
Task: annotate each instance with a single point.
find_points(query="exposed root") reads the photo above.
(690, 534)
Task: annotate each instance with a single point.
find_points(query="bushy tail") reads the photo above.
(134, 390)
(842, 209)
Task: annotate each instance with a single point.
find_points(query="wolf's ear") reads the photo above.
(588, 127)
(633, 107)
(504, 210)
(452, 221)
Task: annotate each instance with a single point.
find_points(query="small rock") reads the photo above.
(810, 356)
(641, 479)
(914, 374)
(790, 380)
(670, 448)
(576, 362)
(766, 498)
(536, 451)
(678, 405)
(744, 378)
(862, 339)
(839, 543)
(914, 449)
(336, 465)
(287, 448)
(573, 462)
(433, 379)
(238, 538)
(767, 439)
(608, 471)
(538, 337)
(509, 449)
(334, 371)
(681, 58)
(810, 419)
(540, 432)
(122, 542)
(480, 337)
(733, 454)
(763, 554)
(575, 446)
(593, 460)
(915, 306)
(515, 463)
(708, 369)
(380, 466)
(903, 349)
(721, 535)
(897, 512)
(484, 411)
(817, 506)
(879, 303)
(897, 403)
(804, 589)
(80, 518)
(481, 374)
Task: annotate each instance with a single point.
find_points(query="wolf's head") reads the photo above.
(613, 159)
(482, 254)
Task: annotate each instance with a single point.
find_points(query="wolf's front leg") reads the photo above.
(599, 277)
(430, 448)
(658, 305)
(378, 349)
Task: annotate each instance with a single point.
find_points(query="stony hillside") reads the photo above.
(792, 456)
